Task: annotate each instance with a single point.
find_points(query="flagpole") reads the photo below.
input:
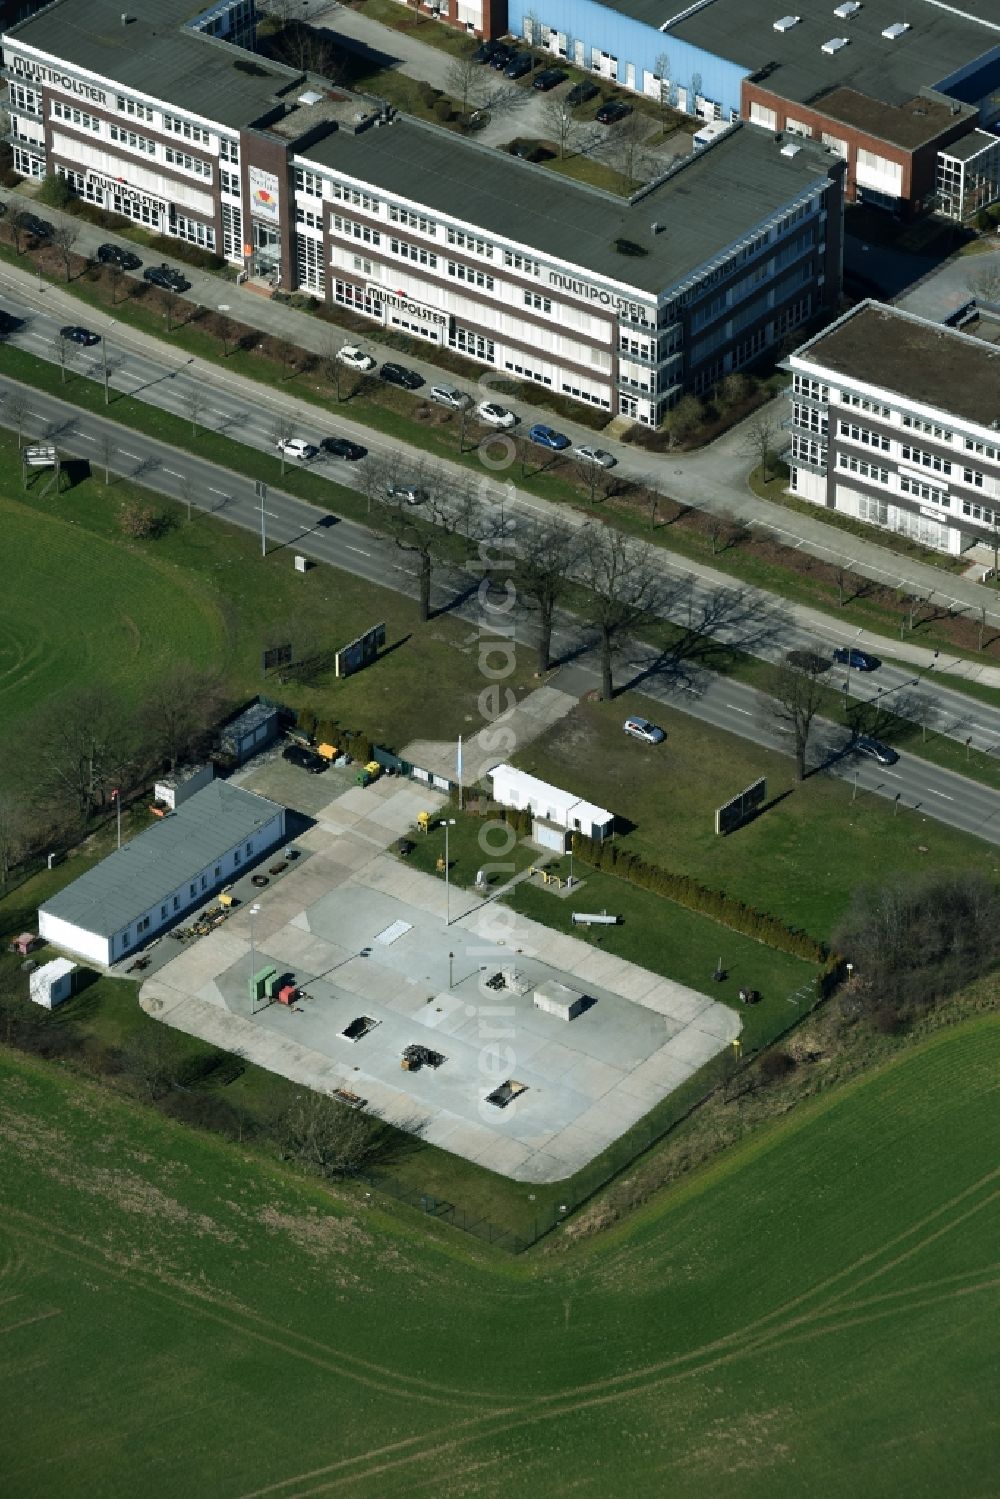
(459, 768)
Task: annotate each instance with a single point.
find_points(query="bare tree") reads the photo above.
(307, 49)
(758, 440)
(624, 581)
(330, 1139)
(179, 713)
(625, 152)
(12, 833)
(548, 553)
(985, 285)
(661, 67)
(226, 332)
(424, 527)
(66, 350)
(844, 577)
(106, 450)
(17, 411)
(76, 743)
(171, 301)
(561, 124)
(282, 428)
(17, 228)
(116, 277)
(64, 238)
(193, 404)
(467, 82)
(151, 1059)
(599, 482)
(796, 693)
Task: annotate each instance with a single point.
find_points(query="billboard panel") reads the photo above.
(733, 813)
(264, 197)
(361, 652)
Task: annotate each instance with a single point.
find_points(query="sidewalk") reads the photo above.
(714, 479)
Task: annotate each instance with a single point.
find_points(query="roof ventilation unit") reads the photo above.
(895, 31)
(790, 149)
(834, 45)
(848, 10)
(786, 23)
(310, 97)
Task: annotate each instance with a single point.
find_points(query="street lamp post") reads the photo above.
(253, 956)
(104, 357)
(446, 823)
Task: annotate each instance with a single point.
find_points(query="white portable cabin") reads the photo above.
(516, 789)
(52, 983)
(175, 788)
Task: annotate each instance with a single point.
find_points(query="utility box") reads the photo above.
(301, 564)
(559, 1000)
(51, 984)
(262, 984)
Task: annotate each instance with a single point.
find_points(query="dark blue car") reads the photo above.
(859, 660)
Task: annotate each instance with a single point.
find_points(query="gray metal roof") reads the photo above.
(918, 360)
(712, 199)
(157, 55)
(142, 873)
(938, 42)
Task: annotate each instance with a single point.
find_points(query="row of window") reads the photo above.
(190, 132)
(187, 163)
(920, 490)
(77, 117)
(861, 403)
(863, 468)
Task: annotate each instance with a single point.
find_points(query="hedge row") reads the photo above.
(614, 859)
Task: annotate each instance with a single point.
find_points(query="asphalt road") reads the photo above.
(294, 525)
(743, 617)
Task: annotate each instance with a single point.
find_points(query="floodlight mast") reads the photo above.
(446, 823)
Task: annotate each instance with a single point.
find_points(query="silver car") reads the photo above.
(450, 395)
(641, 728)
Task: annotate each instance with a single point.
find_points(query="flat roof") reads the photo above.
(541, 791)
(939, 41)
(972, 145)
(707, 203)
(913, 358)
(909, 124)
(157, 54)
(167, 855)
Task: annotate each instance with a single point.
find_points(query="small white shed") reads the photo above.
(515, 788)
(52, 983)
(182, 783)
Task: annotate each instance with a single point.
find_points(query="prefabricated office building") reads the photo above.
(148, 884)
(547, 804)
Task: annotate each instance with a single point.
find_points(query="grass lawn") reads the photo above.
(800, 860)
(202, 595)
(214, 1326)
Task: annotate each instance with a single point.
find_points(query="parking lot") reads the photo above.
(366, 937)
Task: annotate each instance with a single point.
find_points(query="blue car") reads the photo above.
(859, 660)
(546, 437)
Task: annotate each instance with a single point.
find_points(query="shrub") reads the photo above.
(55, 191)
(775, 1065)
(179, 249)
(442, 110)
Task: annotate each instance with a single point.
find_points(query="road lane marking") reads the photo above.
(360, 550)
(747, 711)
(933, 792)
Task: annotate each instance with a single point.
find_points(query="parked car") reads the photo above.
(306, 759)
(40, 228)
(548, 79)
(355, 358)
(501, 56)
(397, 374)
(297, 447)
(450, 395)
(117, 255)
(410, 494)
(166, 277)
(612, 112)
(600, 456)
(860, 660)
(641, 728)
(343, 447)
(548, 437)
(494, 415)
(519, 66)
(582, 93)
(74, 334)
(486, 51)
(865, 744)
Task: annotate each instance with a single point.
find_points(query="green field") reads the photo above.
(815, 1314)
(800, 860)
(85, 606)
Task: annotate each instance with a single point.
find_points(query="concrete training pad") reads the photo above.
(586, 1080)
